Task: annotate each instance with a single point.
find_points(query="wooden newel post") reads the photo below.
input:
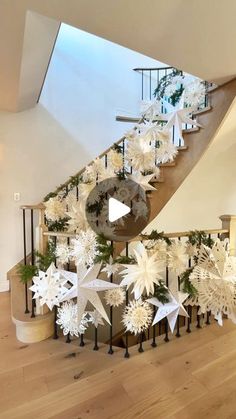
(41, 240)
(229, 223)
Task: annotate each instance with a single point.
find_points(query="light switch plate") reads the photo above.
(16, 196)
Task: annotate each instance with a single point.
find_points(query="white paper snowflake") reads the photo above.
(177, 257)
(143, 274)
(111, 268)
(84, 248)
(214, 277)
(77, 218)
(62, 253)
(115, 297)
(140, 154)
(67, 319)
(55, 209)
(140, 209)
(49, 287)
(137, 316)
(159, 248)
(166, 152)
(115, 160)
(194, 93)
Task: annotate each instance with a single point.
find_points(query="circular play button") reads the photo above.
(118, 209)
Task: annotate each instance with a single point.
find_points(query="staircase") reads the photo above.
(196, 142)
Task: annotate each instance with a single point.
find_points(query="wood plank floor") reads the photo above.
(189, 378)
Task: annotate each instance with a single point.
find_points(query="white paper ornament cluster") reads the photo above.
(214, 278)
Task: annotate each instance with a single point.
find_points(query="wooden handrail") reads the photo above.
(183, 234)
(58, 234)
(39, 207)
(143, 236)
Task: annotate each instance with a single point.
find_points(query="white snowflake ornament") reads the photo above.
(49, 287)
(214, 278)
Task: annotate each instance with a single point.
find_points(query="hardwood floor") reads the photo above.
(189, 378)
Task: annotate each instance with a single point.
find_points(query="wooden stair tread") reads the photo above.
(203, 110)
(170, 164)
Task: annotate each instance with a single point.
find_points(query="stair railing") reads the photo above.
(228, 230)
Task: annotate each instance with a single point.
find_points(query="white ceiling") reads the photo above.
(197, 36)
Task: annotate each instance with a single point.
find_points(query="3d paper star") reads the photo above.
(176, 116)
(49, 287)
(88, 285)
(110, 268)
(95, 318)
(171, 310)
(143, 184)
(144, 274)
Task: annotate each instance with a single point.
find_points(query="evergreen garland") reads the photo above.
(43, 262)
(104, 249)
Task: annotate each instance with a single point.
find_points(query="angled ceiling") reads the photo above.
(194, 35)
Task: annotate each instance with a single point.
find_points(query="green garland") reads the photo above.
(104, 249)
(26, 272)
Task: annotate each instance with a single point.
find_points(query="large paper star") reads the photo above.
(177, 116)
(143, 184)
(171, 310)
(86, 288)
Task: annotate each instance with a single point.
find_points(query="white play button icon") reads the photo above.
(116, 209)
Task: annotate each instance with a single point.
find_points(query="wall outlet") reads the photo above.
(16, 196)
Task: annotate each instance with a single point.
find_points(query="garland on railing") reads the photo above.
(143, 271)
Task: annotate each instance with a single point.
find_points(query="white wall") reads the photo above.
(88, 82)
(210, 189)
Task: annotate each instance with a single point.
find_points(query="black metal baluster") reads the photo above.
(96, 347)
(142, 85)
(32, 255)
(154, 344)
(55, 246)
(208, 316)
(140, 349)
(126, 303)
(178, 335)
(150, 85)
(81, 340)
(188, 330)
(166, 339)
(55, 335)
(110, 351)
(68, 339)
(25, 263)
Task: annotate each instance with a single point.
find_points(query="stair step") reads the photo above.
(203, 110)
(190, 130)
(182, 148)
(170, 164)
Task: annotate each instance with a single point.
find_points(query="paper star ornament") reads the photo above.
(214, 278)
(86, 290)
(143, 184)
(171, 310)
(143, 274)
(177, 116)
